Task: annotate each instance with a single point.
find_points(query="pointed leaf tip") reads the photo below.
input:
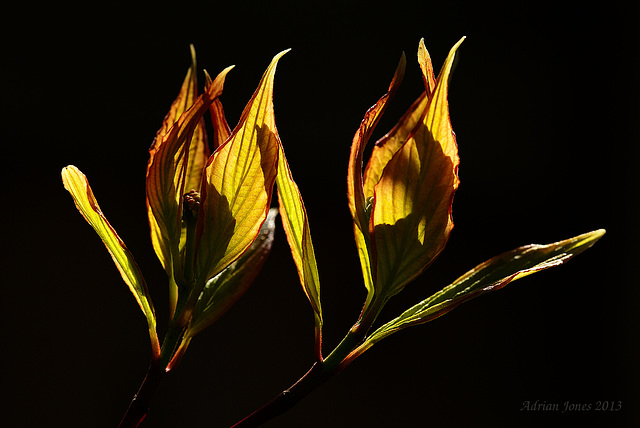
(235, 200)
(296, 226)
(358, 203)
(413, 179)
(175, 166)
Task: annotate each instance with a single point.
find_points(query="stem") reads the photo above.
(354, 337)
(318, 338)
(139, 406)
(319, 373)
(287, 398)
(142, 400)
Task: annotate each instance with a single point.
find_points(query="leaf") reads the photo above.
(170, 171)
(426, 66)
(356, 196)
(198, 148)
(411, 216)
(223, 290)
(221, 130)
(238, 183)
(296, 226)
(488, 276)
(387, 146)
(77, 185)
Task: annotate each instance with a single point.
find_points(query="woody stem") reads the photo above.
(141, 402)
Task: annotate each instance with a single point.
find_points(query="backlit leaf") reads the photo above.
(296, 226)
(221, 130)
(411, 217)
(170, 171)
(426, 66)
(198, 148)
(488, 276)
(387, 146)
(238, 183)
(77, 185)
(355, 190)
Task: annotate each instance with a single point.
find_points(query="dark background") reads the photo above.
(544, 105)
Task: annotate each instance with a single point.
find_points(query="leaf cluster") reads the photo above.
(208, 204)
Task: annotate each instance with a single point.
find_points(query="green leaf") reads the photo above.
(238, 183)
(296, 226)
(77, 185)
(488, 276)
(411, 217)
(224, 289)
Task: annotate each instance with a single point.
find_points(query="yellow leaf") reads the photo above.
(77, 185)
(221, 130)
(388, 145)
(238, 183)
(355, 190)
(176, 161)
(424, 59)
(411, 217)
(296, 226)
(185, 99)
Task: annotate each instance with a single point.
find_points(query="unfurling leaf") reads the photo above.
(411, 217)
(176, 161)
(187, 95)
(77, 185)
(357, 201)
(388, 145)
(238, 183)
(224, 289)
(401, 207)
(221, 130)
(488, 276)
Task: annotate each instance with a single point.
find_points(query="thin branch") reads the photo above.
(139, 406)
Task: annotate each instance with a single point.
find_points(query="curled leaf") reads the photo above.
(171, 169)
(221, 130)
(355, 190)
(388, 145)
(77, 185)
(411, 216)
(224, 289)
(198, 153)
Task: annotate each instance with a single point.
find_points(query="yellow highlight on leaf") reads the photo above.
(77, 185)
(411, 218)
(238, 183)
(176, 161)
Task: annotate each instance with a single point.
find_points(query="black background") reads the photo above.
(544, 105)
